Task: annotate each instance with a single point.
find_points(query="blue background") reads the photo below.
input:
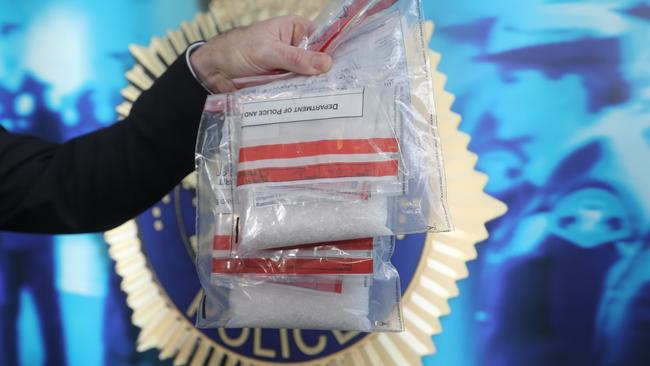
(556, 95)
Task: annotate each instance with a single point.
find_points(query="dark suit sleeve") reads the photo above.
(100, 180)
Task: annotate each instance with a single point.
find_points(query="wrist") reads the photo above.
(206, 65)
(191, 64)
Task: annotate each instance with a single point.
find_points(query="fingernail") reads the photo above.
(322, 62)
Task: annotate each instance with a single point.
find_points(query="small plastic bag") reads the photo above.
(359, 306)
(337, 290)
(260, 218)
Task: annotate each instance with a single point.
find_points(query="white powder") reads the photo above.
(315, 222)
(269, 305)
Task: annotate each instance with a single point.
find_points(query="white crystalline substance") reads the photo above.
(270, 305)
(315, 222)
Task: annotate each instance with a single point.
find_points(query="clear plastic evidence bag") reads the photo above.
(304, 181)
(350, 154)
(346, 285)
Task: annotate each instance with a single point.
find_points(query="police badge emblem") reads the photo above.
(154, 253)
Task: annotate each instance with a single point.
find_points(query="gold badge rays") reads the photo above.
(164, 326)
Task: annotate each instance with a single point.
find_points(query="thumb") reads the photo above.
(300, 61)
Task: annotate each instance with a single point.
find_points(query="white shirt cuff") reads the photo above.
(191, 48)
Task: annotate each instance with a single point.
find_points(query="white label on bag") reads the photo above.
(343, 104)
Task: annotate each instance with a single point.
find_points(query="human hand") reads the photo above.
(259, 49)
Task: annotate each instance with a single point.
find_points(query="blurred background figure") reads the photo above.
(27, 264)
(557, 104)
(27, 271)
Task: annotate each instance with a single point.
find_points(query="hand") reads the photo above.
(259, 49)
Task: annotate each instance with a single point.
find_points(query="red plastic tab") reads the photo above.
(315, 148)
(318, 171)
(338, 28)
(293, 266)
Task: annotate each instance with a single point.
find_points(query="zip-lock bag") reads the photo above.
(348, 285)
(353, 153)
(295, 176)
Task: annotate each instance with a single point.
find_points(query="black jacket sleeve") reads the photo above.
(100, 180)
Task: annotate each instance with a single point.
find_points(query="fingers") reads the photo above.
(222, 84)
(301, 61)
(258, 50)
(298, 60)
(300, 30)
(291, 29)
